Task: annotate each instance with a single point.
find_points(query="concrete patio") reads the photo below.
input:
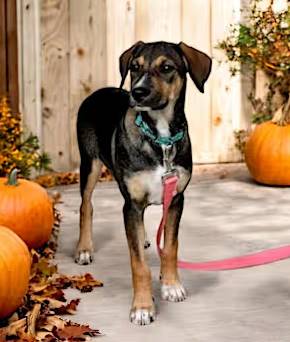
(225, 214)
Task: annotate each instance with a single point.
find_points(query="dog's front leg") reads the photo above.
(142, 311)
(171, 288)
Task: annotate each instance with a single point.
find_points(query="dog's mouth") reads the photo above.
(146, 107)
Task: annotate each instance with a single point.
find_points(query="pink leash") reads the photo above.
(260, 258)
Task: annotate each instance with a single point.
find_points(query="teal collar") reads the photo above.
(159, 140)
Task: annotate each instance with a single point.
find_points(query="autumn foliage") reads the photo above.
(39, 318)
(262, 42)
(18, 149)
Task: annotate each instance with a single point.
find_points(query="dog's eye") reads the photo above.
(135, 67)
(166, 68)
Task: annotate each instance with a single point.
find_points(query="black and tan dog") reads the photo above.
(140, 136)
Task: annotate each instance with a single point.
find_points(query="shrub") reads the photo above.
(263, 43)
(18, 149)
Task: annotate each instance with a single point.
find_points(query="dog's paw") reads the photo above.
(147, 244)
(173, 293)
(84, 257)
(142, 316)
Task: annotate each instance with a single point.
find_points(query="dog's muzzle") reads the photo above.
(140, 93)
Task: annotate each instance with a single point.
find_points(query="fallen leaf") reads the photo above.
(15, 327)
(57, 178)
(45, 336)
(69, 308)
(52, 322)
(36, 319)
(76, 332)
(85, 283)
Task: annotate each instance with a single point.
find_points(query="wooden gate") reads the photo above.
(73, 48)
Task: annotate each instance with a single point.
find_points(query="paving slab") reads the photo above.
(225, 215)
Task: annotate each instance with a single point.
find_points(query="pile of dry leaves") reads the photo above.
(39, 317)
(65, 178)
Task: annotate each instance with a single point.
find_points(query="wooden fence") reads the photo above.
(8, 52)
(68, 48)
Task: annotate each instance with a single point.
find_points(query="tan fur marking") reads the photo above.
(136, 188)
(169, 256)
(141, 283)
(169, 91)
(86, 210)
(158, 61)
(169, 265)
(168, 268)
(175, 88)
(141, 275)
(140, 60)
(183, 178)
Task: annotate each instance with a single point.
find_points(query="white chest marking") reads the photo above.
(162, 127)
(154, 185)
(149, 184)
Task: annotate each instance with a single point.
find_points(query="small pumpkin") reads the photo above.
(267, 151)
(26, 208)
(15, 262)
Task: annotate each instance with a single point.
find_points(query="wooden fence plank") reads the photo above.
(88, 58)
(55, 81)
(226, 89)
(196, 32)
(3, 61)
(120, 35)
(29, 64)
(168, 25)
(12, 58)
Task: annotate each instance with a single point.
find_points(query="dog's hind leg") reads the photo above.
(89, 173)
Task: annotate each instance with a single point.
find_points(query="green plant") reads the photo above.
(17, 149)
(263, 43)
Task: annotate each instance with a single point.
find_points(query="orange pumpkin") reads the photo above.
(26, 208)
(15, 262)
(267, 152)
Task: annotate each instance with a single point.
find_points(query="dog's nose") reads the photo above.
(140, 93)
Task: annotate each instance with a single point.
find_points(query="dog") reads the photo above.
(140, 136)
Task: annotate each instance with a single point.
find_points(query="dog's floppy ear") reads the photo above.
(125, 60)
(198, 65)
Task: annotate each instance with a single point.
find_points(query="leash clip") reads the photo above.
(169, 170)
(167, 149)
(169, 174)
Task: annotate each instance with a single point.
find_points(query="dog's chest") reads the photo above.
(154, 186)
(148, 184)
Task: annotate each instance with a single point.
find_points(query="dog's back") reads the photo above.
(98, 117)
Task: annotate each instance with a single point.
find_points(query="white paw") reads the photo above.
(173, 293)
(84, 257)
(142, 316)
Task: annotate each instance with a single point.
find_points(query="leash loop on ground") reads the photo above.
(260, 258)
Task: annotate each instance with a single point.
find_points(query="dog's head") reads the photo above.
(158, 72)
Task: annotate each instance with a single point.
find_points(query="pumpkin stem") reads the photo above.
(12, 178)
(282, 115)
